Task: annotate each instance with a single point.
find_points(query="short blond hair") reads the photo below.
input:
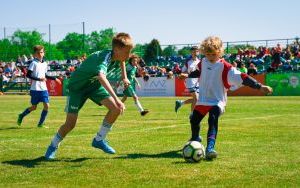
(122, 40)
(212, 44)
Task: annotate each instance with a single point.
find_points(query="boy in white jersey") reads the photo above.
(38, 91)
(216, 77)
(190, 73)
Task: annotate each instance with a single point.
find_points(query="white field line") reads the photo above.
(139, 130)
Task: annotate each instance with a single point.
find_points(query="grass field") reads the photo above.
(258, 145)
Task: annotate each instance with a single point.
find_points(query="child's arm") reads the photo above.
(237, 78)
(124, 75)
(105, 83)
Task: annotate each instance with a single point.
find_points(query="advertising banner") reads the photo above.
(156, 86)
(180, 88)
(54, 88)
(284, 84)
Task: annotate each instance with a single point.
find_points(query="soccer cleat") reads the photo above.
(103, 145)
(178, 104)
(211, 154)
(20, 119)
(143, 113)
(210, 149)
(42, 126)
(50, 153)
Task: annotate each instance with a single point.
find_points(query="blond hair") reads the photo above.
(212, 44)
(122, 40)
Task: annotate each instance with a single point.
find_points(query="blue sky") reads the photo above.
(169, 21)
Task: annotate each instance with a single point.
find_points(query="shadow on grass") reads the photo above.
(169, 154)
(12, 128)
(98, 115)
(32, 163)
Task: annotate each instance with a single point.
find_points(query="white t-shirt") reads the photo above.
(39, 70)
(211, 86)
(189, 67)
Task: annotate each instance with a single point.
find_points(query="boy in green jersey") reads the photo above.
(89, 82)
(131, 69)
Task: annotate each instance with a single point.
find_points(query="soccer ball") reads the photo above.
(193, 151)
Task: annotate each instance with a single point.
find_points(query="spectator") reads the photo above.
(252, 70)
(243, 68)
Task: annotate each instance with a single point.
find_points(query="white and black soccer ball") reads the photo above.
(193, 151)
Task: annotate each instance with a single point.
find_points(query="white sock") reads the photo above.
(104, 129)
(138, 105)
(56, 140)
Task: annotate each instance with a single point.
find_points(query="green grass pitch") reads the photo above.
(258, 146)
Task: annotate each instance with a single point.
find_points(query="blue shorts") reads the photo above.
(39, 96)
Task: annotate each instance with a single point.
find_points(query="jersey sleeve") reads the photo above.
(102, 68)
(32, 65)
(234, 77)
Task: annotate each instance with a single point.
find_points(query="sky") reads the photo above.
(169, 21)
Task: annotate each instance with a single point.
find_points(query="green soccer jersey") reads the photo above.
(86, 74)
(130, 71)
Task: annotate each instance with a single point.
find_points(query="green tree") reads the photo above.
(100, 40)
(153, 50)
(169, 51)
(72, 45)
(185, 51)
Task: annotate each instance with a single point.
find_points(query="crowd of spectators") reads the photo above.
(250, 61)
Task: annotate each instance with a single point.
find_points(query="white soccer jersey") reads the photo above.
(39, 70)
(191, 66)
(214, 81)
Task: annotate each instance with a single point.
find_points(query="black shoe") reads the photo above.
(143, 113)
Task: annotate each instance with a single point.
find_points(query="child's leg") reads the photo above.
(212, 132)
(44, 113)
(62, 132)
(124, 98)
(110, 118)
(25, 113)
(137, 103)
(195, 124)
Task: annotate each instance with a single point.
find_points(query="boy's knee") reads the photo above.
(115, 110)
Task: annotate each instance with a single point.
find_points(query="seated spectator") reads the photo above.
(176, 69)
(252, 70)
(243, 68)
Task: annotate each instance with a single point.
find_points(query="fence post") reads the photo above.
(49, 42)
(227, 47)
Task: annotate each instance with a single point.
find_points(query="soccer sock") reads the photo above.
(43, 116)
(195, 124)
(138, 105)
(56, 140)
(26, 112)
(213, 127)
(104, 129)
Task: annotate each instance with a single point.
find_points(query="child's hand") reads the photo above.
(182, 76)
(58, 81)
(121, 105)
(266, 89)
(126, 83)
